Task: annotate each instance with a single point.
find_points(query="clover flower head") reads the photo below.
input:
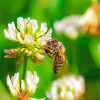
(23, 89)
(90, 21)
(69, 26)
(67, 88)
(31, 37)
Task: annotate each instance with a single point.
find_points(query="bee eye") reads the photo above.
(47, 51)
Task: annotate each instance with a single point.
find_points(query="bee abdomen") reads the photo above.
(58, 62)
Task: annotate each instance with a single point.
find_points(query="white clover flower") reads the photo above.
(23, 89)
(88, 22)
(69, 26)
(30, 36)
(67, 88)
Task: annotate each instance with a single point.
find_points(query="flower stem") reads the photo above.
(24, 67)
(75, 68)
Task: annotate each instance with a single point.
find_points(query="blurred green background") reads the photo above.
(83, 54)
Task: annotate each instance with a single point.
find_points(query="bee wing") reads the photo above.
(66, 63)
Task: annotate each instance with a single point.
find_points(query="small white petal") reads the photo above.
(43, 40)
(10, 33)
(19, 37)
(29, 28)
(27, 20)
(11, 29)
(7, 35)
(31, 81)
(22, 85)
(49, 31)
(13, 25)
(15, 81)
(21, 24)
(34, 26)
(48, 35)
(43, 27)
(10, 85)
(28, 39)
(20, 20)
(35, 78)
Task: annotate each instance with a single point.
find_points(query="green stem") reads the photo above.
(75, 68)
(24, 67)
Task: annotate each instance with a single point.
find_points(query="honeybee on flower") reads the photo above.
(31, 37)
(23, 89)
(56, 49)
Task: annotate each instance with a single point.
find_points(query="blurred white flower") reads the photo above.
(23, 89)
(69, 26)
(31, 37)
(67, 88)
(90, 21)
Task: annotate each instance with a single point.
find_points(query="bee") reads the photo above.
(56, 49)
